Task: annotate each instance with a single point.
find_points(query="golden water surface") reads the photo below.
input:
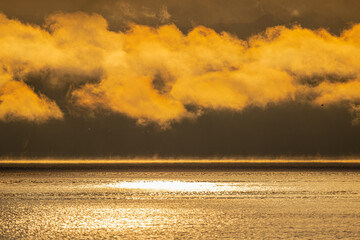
(180, 205)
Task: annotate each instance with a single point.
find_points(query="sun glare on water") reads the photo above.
(174, 186)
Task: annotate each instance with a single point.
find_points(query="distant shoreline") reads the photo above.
(177, 165)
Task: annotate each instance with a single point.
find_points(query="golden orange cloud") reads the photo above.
(153, 74)
(18, 101)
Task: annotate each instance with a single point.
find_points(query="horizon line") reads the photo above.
(175, 161)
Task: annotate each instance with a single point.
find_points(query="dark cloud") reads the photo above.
(284, 130)
(243, 17)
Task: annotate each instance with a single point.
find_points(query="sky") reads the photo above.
(205, 79)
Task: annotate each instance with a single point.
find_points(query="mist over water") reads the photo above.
(179, 204)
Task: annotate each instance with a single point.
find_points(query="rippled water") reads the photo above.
(180, 205)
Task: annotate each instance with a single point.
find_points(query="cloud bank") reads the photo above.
(163, 75)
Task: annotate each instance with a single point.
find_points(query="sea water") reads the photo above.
(179, 205)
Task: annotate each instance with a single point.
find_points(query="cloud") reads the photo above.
(164, 15)
(18, 101)
(125, 12)
(156, 74)
(355, 110)
(295, 13)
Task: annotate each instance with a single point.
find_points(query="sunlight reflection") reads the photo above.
(173, 186)
(115, 218)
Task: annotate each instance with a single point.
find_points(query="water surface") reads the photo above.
(180, 205)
